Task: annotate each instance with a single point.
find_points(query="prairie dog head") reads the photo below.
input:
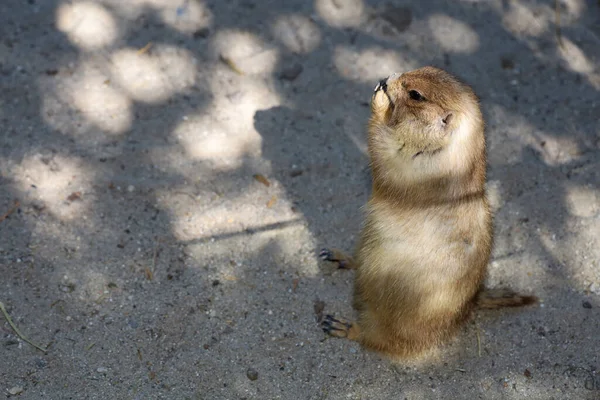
(425, 126)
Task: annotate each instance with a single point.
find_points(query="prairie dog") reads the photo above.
(427, 237)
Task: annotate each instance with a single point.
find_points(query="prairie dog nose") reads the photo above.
(381, 85)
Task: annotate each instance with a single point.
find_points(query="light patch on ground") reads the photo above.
(341, 13)
(586, 269)
(98, 99)
(503, 270)
(103, 95)
(368, 65)
(61, 183)
(186, 16)
(576, 60)
(574, 8)
(303, 260)
(582, 201)
(297, 32)
(453, 35)
(221, 221)
(86, 98)
(245, 52)
(574, 57)
(189, 222)
(284, 246)
(577, 252)
(202, 138)
(237, 107)
(156, 77)
(88, 25)
(557, 150)
(494, 192)
(522, 19)
(226, 141)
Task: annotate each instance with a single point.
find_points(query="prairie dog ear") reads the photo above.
(447, 119)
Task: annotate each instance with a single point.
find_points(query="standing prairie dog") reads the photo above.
(427, 238)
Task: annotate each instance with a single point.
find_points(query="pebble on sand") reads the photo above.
(252, 374)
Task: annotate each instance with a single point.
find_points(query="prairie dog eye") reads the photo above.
(413, 94)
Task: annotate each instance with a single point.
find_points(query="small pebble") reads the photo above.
(15, 390)
(102, 370)
(130, 188)
(586, 304)
(252, 374)
(507, 63)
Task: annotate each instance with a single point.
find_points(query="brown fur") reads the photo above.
(427, 238)
(501, 298)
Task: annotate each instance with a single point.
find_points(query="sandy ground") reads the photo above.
(178, 164)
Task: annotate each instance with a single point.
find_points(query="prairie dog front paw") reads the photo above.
(380, 101)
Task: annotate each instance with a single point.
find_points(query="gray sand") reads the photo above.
(153, 263)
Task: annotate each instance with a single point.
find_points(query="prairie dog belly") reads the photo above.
(423, 259)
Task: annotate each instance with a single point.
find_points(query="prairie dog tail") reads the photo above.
(500, 298)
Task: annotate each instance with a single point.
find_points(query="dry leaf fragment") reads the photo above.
(229, 62)
(527, 374)
(7, 214)
(149, 274)
(74, 196)
(17, 331)
(295, 284)
(272, 201)
(145, 48)
(262, 179)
